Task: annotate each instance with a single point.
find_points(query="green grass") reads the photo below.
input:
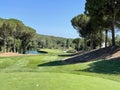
(50, 73)
(54, 81)
(53, 51)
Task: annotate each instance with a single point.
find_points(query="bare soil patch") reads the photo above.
(8, 54)
(103, 53)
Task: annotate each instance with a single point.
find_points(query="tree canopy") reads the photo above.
(99, 16)
(17, 37)
(14, 35)
(109, 9)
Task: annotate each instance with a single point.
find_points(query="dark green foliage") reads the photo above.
(100, 15)
(105, 14)
(52, 42)
(91, 33)
(78, 44)
(14, 35)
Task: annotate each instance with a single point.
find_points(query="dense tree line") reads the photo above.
(17, 37)
(14, 35)
(51, 42)
(60, 42)
(100, 17)
(44, 41)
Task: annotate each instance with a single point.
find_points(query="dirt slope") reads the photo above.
(8, 54)
(104, 53)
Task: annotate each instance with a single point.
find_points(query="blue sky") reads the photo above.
(48, 17)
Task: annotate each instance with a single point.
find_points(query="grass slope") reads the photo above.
(54, 81)
(28, 73)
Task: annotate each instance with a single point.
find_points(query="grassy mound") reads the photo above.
(54, 81)
(94, 55)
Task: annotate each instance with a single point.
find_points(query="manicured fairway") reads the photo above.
(54, 81)
(47, 72)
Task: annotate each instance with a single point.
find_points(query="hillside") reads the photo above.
(48, 72)
(45, 41)
(103, 53)
(50, 36)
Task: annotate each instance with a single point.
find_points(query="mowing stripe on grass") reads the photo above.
(54, 81)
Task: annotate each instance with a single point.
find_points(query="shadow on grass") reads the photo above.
(53, 63)
(66, 55)
(111, 66)
(94, 55)
(71, 54)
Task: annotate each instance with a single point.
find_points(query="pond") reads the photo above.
(35, 52)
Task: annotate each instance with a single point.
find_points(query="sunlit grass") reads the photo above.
(20, 66)
(54, 81)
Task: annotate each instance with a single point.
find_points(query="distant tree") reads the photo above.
(4, 32)
(78, 44)
(27, 35)
(68, 43)
(117, 39)
(14, 35)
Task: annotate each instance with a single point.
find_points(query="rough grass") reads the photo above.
(28, 70)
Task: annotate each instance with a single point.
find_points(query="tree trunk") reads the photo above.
(85, 44)
(91, 42)
(106, 38)
(100, 38)
(78, 45)
(113, 34)
(113, 23)
(24, 48)
(94, 41)
(14, 46)
(5, 42)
